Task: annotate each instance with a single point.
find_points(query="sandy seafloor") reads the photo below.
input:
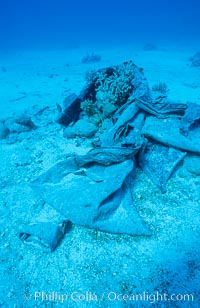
(87, 260)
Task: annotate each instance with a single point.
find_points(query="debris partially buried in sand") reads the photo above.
(133, 127)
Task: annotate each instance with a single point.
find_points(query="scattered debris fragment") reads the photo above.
(25, 119)
(71, 110)
(18, 98)
(195, 59)
(91, 58)
(4, 131)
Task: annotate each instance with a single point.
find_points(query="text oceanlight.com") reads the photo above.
(107, 296)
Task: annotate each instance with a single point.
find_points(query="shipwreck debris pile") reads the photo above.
(128, 125)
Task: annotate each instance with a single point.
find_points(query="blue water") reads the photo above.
(64, 23)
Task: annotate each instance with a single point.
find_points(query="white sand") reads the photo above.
(88, 260)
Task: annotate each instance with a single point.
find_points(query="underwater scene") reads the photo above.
(99, 153)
